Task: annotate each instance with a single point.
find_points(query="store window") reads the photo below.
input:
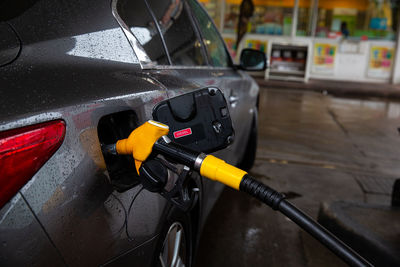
(273, 17)
(305, 18)
(358, 19)
(231, 16)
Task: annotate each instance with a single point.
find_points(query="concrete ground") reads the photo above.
(315, 148)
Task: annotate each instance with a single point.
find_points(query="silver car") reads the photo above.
(78, 74)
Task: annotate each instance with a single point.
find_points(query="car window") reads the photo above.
(211, 38)
(137, 17)
(181, 40)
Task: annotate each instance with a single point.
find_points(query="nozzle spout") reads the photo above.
(109, 149)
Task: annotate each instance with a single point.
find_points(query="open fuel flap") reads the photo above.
(199, 120)
(121, 169)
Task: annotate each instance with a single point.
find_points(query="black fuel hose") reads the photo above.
(278, 202)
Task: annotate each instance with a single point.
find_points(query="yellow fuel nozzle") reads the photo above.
(140, 142)
(143, 139)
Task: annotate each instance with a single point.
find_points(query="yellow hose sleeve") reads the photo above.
(140, 142)
(218, 170)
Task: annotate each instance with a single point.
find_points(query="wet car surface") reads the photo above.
(84, 65)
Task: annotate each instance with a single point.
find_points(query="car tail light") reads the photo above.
(23, 151)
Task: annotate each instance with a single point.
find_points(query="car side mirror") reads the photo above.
(252, 60)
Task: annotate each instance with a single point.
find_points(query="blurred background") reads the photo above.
(352, 40)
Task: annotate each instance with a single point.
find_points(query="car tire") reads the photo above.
(249, 155)
(177, 231)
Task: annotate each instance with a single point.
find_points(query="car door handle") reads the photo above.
(233, 100)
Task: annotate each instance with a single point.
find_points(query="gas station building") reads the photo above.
(346, 40)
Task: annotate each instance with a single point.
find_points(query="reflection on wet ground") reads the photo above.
(315, 148)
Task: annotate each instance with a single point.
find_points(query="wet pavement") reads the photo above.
(316, 149)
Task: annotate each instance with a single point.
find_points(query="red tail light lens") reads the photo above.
(23, 151)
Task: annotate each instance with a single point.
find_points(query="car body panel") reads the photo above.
(23, 241)
(10, 45)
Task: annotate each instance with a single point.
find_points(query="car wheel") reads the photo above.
(249, 155)
(175, 246)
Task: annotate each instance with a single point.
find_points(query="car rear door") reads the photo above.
(185, 52)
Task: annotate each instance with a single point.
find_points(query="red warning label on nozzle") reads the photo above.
(182, 133)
